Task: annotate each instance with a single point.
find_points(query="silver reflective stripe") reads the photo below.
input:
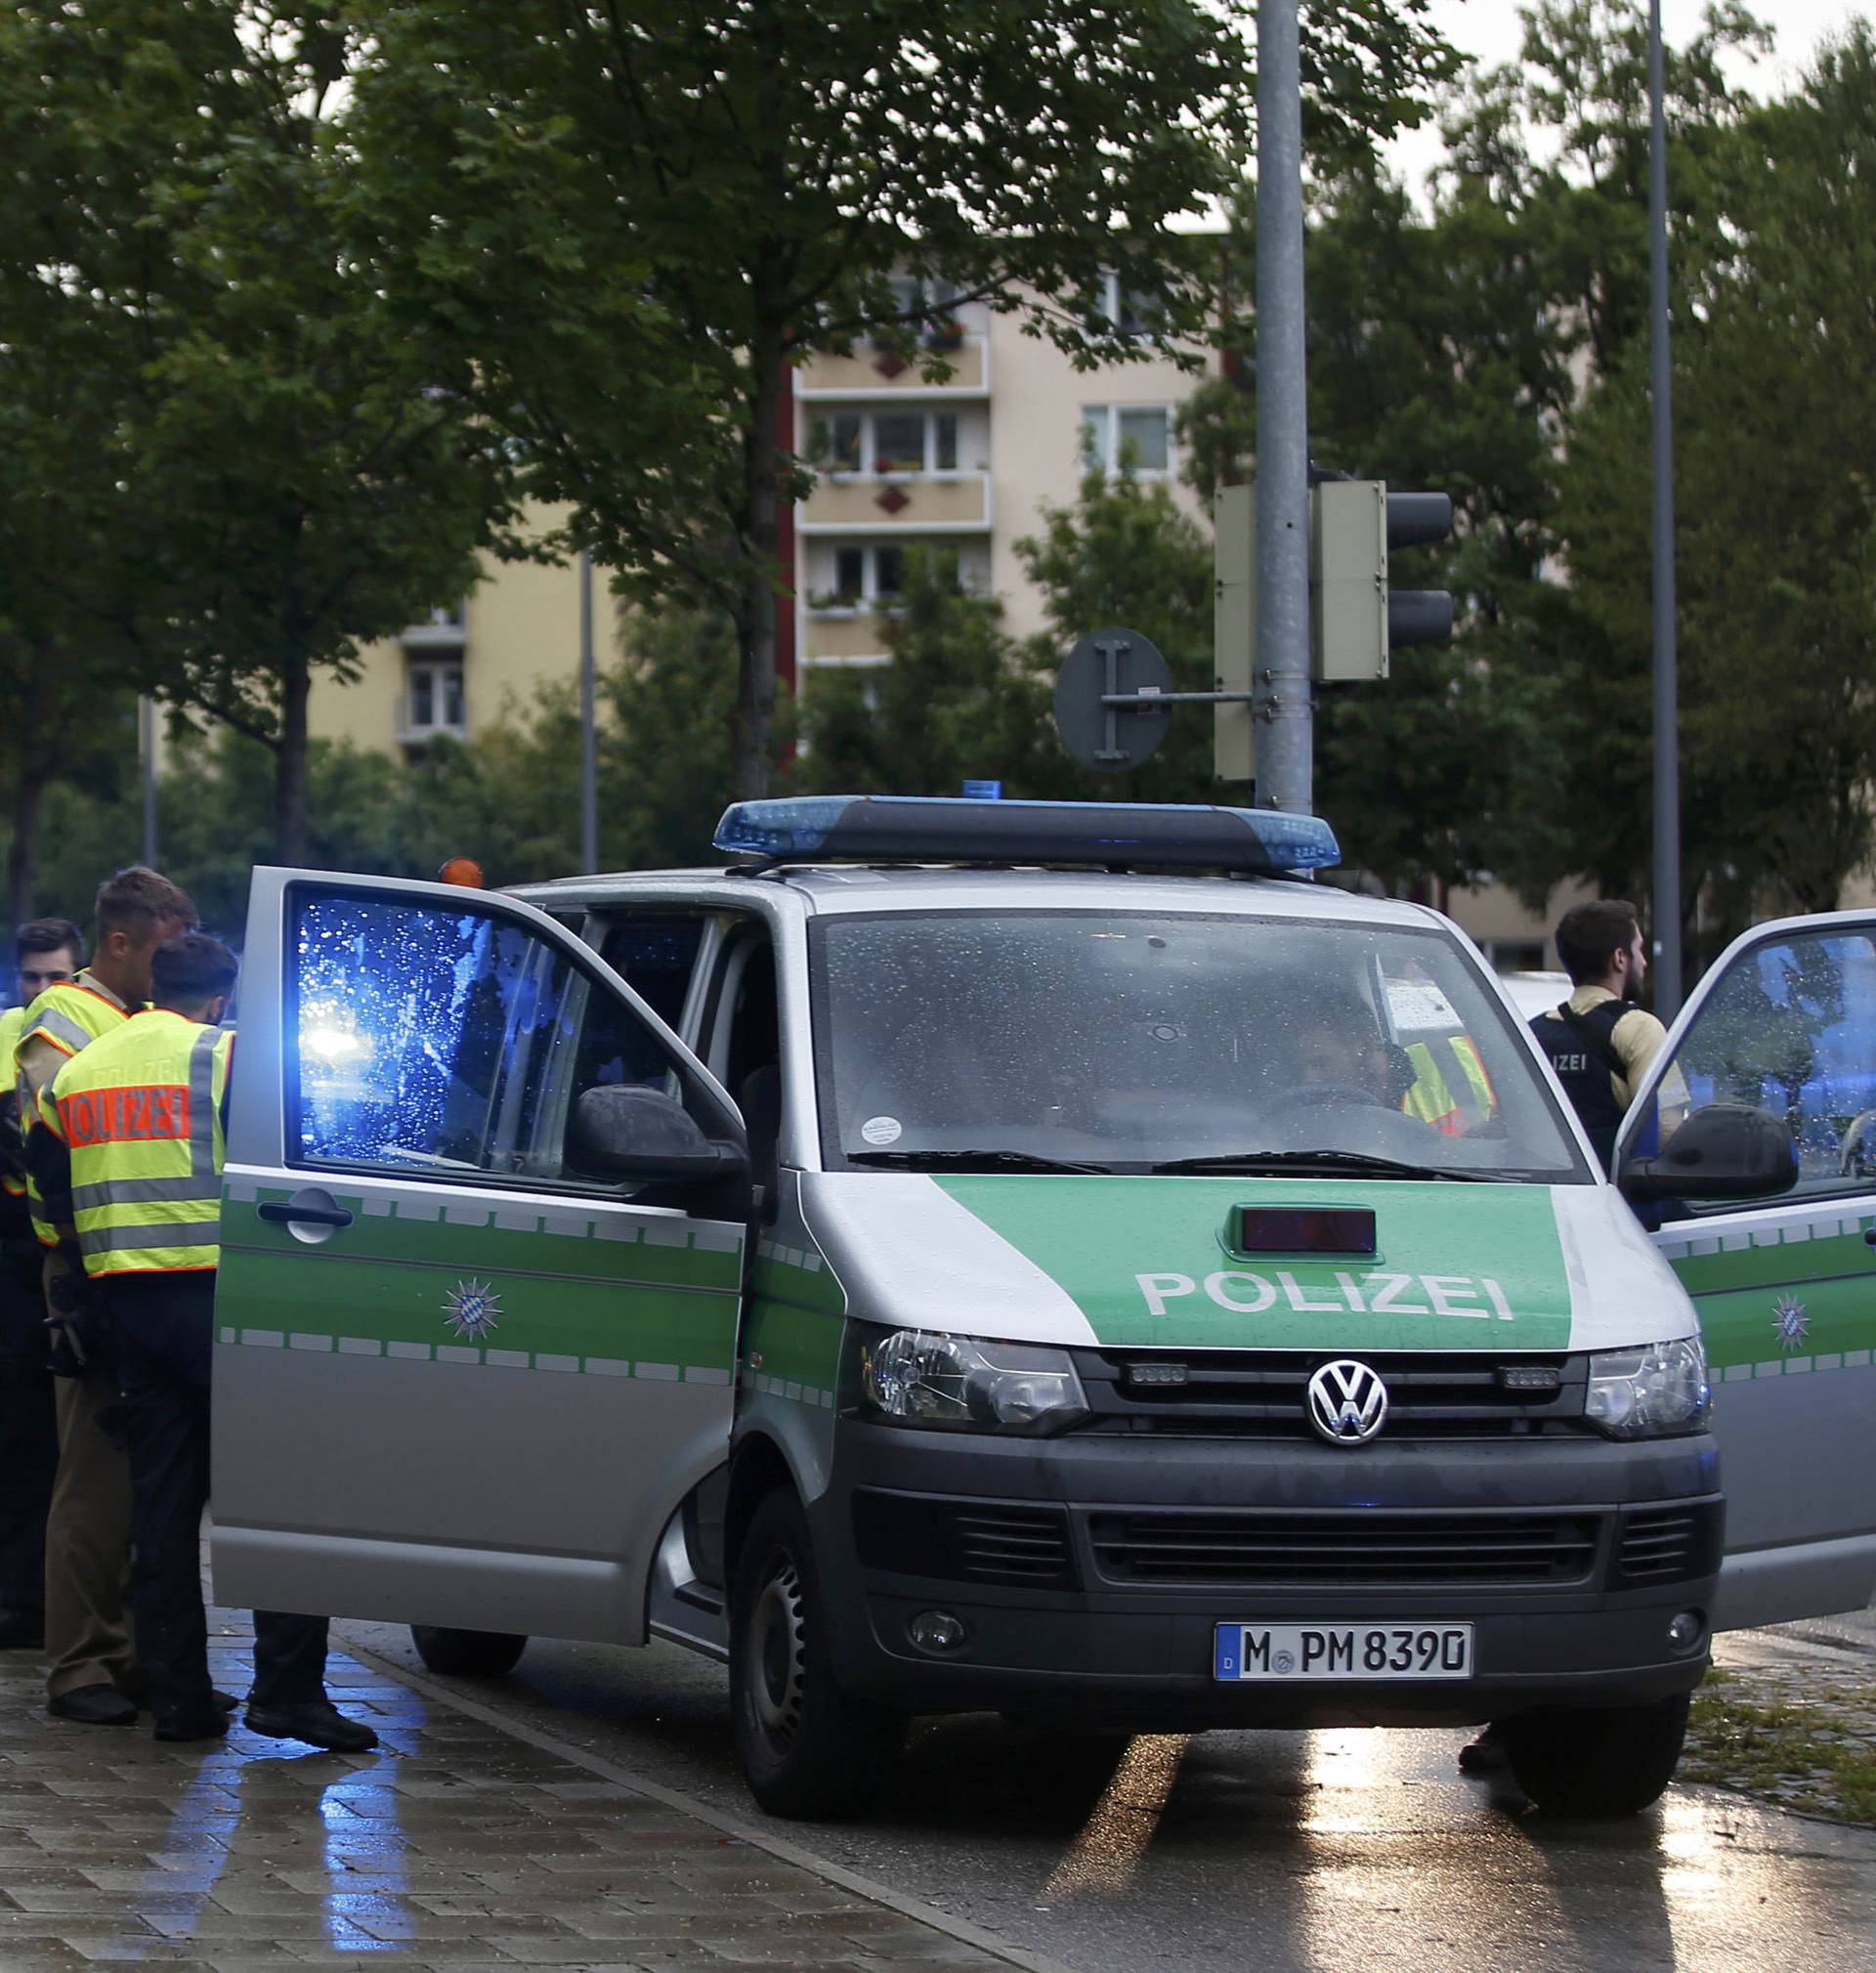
(201, 1105)
(60, 1027)
(171, 1233)
(143, 1193)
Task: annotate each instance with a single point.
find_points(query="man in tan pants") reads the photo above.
(92, 1675)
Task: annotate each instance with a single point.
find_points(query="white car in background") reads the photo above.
(1535, 993)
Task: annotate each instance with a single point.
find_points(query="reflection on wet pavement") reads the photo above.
(456, 1844)
(1261, 1852)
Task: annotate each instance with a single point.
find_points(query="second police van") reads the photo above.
(1047, 1259)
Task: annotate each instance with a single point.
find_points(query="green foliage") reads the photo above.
(254, 470)
(1775, 428)
(622, 226)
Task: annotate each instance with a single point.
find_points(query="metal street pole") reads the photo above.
(146, 743)
(588, 743)
(1281, 712)
(1667, 748)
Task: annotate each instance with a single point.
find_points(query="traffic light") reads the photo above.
(1356, 620)
(1418, 615)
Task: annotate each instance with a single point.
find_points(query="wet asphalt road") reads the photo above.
(1315, 1852)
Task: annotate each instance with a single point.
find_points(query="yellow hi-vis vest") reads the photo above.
(70, 1015)
(10, 1022)
(141, 1112)
(1453, 1105)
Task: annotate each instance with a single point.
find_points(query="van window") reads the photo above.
(452, 1041)
(1789, 1028)
(1132, 1042)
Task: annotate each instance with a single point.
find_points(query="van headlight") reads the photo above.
(957, 1384)
(1657, 1392)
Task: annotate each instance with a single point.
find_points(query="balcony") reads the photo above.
(897, 503)
(838, 636)
(870, 373)
(441, 630)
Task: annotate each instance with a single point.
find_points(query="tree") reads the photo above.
(1775, 427)
(1448, 349)
(281, 474)
(636, 221)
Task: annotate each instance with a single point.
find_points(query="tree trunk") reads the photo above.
(755, 616)
(28, 797)
(289, 761)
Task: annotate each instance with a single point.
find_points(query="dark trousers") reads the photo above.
(28, 1431)
(165, 1330)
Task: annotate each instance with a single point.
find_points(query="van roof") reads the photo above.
(844, 888)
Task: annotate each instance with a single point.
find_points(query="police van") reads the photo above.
(1058, 1259)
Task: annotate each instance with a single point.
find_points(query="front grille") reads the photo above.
(1368, 1547)
(962, 1540)
(1259, 1394)
(1669, 1544)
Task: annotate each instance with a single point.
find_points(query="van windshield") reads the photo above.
(1130, 1041)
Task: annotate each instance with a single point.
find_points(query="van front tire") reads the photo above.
(805, 1748)
(467, 1653)
(1602, 1762)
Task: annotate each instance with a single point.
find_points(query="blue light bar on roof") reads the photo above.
(1104, 835)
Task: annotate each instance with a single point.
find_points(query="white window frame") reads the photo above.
(1107, 419)
(439, 670)
(1108, 301)
(869, 466)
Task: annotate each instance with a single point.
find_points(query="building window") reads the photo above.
(888, 442)
(1115, 310)
(865, 576)
(1140, 436)
(434, 698)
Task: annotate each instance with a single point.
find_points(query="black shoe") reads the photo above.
(318, 1722)
(227, 1702)
(203, 1722)
(94, 1706)
(1485, 1755)
(21, 1630)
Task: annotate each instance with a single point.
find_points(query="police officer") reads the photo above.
(141, 1115)
(1600, 1043)
(92, 1676)
(46, 952)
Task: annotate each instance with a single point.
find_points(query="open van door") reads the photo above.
(1786, 1287)
(473, 1349)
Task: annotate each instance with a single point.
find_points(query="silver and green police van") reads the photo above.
(1058, 1260)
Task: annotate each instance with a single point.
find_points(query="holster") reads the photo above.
(79, 1322)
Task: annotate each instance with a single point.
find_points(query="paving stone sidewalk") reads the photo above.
(456, 1846)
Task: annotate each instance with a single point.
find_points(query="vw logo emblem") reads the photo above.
(1347, 1402)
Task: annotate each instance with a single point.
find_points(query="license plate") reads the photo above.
(1277, 1651)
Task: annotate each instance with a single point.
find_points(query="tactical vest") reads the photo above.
(1582, 1051)
(70, 1015)
(141, 1114)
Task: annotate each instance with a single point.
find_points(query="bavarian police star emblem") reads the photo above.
(471, 1308)
(1789, 1320)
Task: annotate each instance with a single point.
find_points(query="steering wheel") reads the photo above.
(1315, 1096)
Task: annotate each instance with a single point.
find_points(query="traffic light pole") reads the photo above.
(1282, 710)
(1667, 752)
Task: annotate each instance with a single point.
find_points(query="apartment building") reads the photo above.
(969, 463)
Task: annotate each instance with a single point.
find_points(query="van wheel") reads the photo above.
(467, 1653)
(806, 1748)
(1602, 1761)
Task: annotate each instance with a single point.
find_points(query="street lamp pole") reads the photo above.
(1281, 708)
(589, 742)
(146, 745)
(1667, 752)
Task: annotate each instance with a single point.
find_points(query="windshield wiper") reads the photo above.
(1325, 1161)
(995, 1161)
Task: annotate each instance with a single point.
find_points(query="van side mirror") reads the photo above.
(629, 1132)
(1723, 1151)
